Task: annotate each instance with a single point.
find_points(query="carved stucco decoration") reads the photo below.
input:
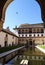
(42, 6)
(3, 6)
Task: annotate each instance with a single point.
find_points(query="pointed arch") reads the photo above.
(4, 9)
(3, 6)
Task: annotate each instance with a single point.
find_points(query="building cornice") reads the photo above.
(9, 32)
(26, 26)
(32, 37)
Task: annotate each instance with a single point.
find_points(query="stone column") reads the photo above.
(1, 25)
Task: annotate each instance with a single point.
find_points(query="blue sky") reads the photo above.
(21, 12)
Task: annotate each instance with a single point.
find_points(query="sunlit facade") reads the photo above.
(31, 33)
(8, 38)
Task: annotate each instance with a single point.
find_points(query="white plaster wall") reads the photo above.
(44, 34)
(20, 35)
(16, 40)
(40, 35)
(27, 35)
(36, 35)
(38, 42)
(32, 35)
(44, 30)
(24, 35)
(2, 37)
(10, 39)
(16, 32)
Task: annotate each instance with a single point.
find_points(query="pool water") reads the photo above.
(35, 57)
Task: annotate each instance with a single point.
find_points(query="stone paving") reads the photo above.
(40, 49)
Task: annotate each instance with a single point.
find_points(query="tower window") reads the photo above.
(30, 35)
(13, 37)
(19, 31)
(34, 35)
(37, 30)
(22, 35)
(0, 45)
(19, 39)
(12, 43)
(5, 44)
(41, 34)
(42, 31)
(26, 35)
(6, 35)
(19, 35)
(38, 34)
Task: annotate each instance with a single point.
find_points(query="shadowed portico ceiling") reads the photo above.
(3, 6)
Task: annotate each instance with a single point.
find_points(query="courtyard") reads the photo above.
(34, 57)
(25, 44)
